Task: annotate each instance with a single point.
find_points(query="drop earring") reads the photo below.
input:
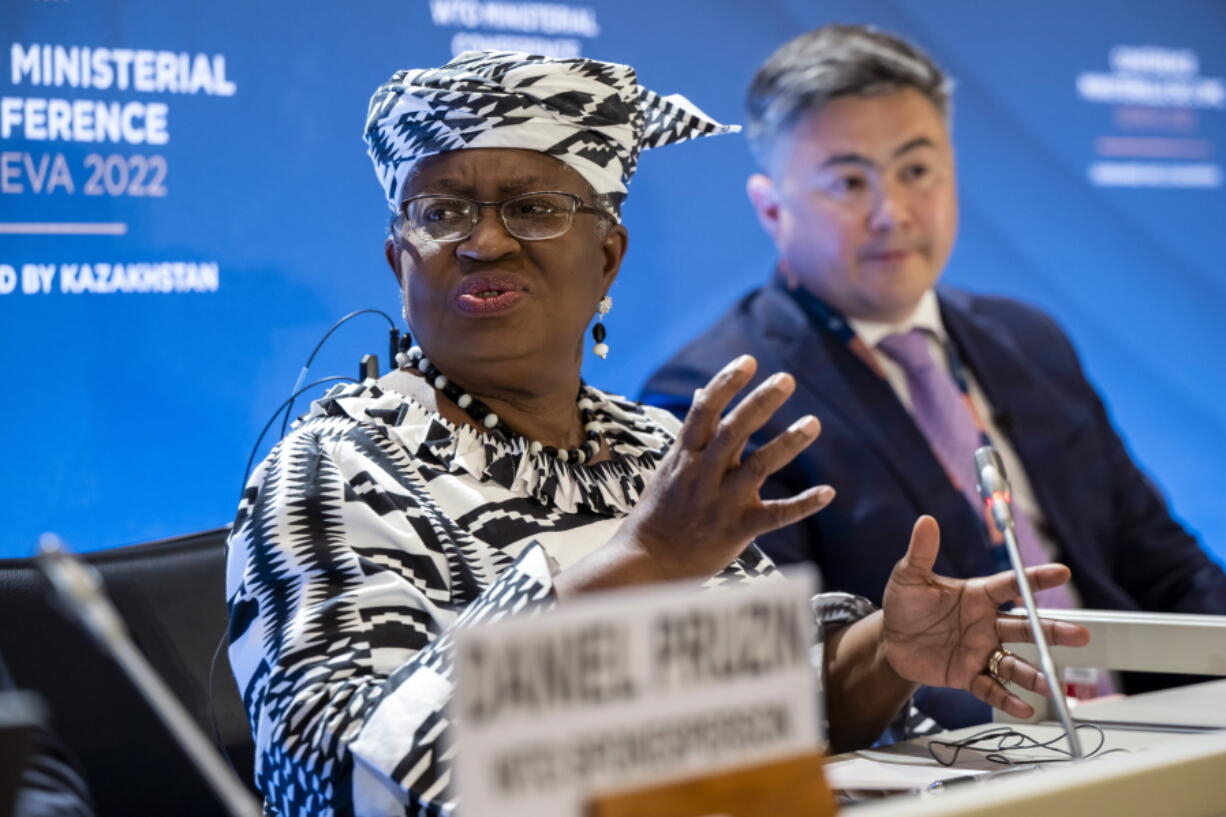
(601, 349)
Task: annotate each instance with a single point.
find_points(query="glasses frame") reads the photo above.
(577, 205)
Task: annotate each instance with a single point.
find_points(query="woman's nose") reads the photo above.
(489, 238)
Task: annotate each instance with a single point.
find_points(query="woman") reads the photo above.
(484, 477)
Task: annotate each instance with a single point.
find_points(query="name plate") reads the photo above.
(631, 688)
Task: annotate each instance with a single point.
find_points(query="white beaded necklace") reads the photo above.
(415, 358)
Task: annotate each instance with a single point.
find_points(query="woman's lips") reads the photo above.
(490, 302)
(489, 294)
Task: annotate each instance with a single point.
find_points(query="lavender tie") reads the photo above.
(941, 411)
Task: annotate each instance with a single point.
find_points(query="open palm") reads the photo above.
(940, 631)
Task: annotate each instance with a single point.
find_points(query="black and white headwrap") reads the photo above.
(592, 115)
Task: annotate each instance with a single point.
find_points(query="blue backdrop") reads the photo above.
(185, 207)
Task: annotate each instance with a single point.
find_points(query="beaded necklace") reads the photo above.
(415, 358)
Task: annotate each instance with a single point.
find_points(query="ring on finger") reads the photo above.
(994, 664)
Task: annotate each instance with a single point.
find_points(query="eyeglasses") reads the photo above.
(528, 216)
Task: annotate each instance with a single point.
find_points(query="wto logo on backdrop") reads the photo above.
(1160, 98)
(550, 29)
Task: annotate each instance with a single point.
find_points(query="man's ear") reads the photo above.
(764, 197)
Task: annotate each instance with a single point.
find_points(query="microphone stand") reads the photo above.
(994, 489)
(80, 589)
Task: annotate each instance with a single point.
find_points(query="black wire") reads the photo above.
(246, 474)
(289, 400)
(288, 406)
(1008, 739)
(311, 359)
(221, 744)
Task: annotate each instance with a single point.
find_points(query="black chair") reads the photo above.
(171, 595)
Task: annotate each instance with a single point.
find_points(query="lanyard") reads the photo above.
(827, 319)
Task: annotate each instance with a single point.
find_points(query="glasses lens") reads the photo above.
(538, 215)
(441, 218)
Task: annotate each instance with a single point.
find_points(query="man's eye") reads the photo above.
(914, 172)
(847, 184)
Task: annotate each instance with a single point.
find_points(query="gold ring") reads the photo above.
(994, 664)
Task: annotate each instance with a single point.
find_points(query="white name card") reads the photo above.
(631, 688)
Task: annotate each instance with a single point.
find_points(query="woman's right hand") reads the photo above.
(702, 508)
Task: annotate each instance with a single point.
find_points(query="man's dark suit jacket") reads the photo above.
(1112, 527)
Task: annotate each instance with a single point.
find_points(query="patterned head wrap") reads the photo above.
(594, 116)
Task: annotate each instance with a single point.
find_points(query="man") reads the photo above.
(857, 190)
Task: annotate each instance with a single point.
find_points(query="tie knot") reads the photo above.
(908, 349)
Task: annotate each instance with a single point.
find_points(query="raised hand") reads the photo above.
(941, 632)
(702, 507)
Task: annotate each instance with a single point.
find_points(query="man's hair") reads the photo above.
(831, 62)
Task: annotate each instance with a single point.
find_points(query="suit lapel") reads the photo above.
(846, 389)
(1025, 400)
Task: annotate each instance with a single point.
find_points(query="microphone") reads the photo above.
(994, 490)
(79, 588)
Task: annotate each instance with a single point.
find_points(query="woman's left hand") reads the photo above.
(941, 632)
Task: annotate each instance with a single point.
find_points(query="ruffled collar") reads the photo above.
(637, 436)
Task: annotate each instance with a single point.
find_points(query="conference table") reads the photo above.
(1160, 753)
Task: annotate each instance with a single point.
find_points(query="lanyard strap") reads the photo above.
(829, 320)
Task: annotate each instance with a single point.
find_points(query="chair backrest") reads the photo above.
(172, 597)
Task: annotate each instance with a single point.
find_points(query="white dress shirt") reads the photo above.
(927, 316)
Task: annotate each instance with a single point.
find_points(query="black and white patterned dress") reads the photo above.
(365, 537)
